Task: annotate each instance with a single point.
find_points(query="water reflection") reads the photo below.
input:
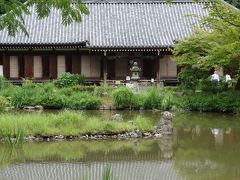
(203, 146)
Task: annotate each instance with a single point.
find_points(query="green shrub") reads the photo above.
(189, 77)
(51, 100)
(4, 103)
(79, 78)
(204, 85)
(83, 101)
(209, 102)
(167, 100)
(138, 101)
(152, 99)
(3, 83)
(68, 80)
(84, 88)
(122, 98)
(23, 96)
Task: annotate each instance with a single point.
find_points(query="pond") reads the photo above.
(203, 146)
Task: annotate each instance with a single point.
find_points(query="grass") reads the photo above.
(67, 123)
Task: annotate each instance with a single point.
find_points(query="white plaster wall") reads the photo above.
(95, 66)
(168, 68)
(61, 65)
(37, 67)
(14, 69)
(86, 66)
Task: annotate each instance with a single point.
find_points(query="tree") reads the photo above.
(217, 43)
(235, 3)
(12, 11)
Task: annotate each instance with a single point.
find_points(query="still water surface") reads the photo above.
(204, 146)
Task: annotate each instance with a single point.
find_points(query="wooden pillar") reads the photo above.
(105, 71)
(76, 64)
(21, 65)
(158, 69)
(6, 66)
(28, 66)
(52, 66)
(45, 65)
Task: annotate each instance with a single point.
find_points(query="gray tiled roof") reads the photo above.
(139, 24)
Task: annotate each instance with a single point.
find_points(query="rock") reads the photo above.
(158, 135)
(165, 125)
(28, 108)
(60, 137)
(134, 135)
(33, 108)
(39, 108)
(117, 117)
(167, 115)
(38, 139)
(147, 134)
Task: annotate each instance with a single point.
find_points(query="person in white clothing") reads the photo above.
(215, 81)
(228, 80)
(228, 77)
(215, 77)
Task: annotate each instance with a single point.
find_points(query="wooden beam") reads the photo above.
(28, 66)
(76, 64)
(6, 65)
(52, 66)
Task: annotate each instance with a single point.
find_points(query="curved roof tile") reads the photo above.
(149, 24)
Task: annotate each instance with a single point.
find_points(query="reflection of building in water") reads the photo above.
(122, 170)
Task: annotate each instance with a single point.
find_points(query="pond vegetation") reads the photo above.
(194, 151)
(66, 123)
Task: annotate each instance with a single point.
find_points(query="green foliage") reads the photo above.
(96, 90)
(122, 98)
(143, 124)
(66, 123)
(14, 10)
(84, 88)
(4, 103)
(50, 97)
(235, 3)
(83, 101)
(3, 83)
(208, 102)
(189, 77)
(12, 139)
(153, 98)
(168, 100)
(138, 101)
(52, 100)
(107, 173)
(79, 78)
(216, 48)
(68, 80)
